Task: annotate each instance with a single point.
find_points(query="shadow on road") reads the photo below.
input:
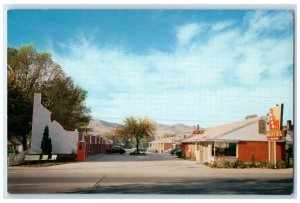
(230, 186)
(127, 157)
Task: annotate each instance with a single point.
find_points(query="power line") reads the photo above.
(209, 95)
(177, 120)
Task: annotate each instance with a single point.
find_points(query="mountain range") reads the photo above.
(177, 130)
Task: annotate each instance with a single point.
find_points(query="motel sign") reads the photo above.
(275, 122)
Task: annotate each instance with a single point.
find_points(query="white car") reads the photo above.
(140, 150)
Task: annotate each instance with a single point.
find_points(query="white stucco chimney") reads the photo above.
(37, 98)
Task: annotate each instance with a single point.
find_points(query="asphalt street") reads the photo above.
(150, 174)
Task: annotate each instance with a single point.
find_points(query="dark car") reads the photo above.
(174, 150)
(118, 150)
(178, 153)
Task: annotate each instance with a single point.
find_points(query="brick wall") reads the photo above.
(260, 150)
(167, 146)
(188, 150)
(184, 148)
(280, 151)
(192, 151)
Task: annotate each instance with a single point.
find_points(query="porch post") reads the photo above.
(269, 149)
(237, 150)
(214, 150)
(275, 153)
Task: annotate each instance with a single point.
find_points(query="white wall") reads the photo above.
(210, 156)
(63, 142)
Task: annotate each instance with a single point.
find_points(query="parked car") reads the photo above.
(141, 150)
(118, 150)
(178, 153)
(174, 150)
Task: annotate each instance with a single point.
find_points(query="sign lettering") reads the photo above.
(275, 122)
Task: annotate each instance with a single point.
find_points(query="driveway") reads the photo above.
(150, 174)
(129, 158)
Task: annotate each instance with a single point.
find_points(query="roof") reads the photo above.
(164, 140)
(234, 132)
(93, 133)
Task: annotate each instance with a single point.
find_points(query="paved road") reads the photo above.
(150, 174)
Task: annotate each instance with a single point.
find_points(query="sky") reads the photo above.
(205, 67)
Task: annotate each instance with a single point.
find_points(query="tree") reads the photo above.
(110, 136)
(19, 117)
(30, 71)
(136, 128)
(251, 116)
(49, 148)
(128, 144)
(46, 144)
(165, 135)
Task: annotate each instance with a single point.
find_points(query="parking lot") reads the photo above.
(150, 174)
(127, 157)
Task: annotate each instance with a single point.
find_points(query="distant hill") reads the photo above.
(102, 127)
(178, 130)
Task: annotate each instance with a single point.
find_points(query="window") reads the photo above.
(224, 149)
(262, 127)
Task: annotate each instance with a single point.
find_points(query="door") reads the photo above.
(201, 153)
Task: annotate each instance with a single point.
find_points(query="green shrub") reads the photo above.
(271, 165)
(226, 164)
(281, 164)
(213, 164)
(252, 164)
(241, 164)
(263, 164)
(234, 164)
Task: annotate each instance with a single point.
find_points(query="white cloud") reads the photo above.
(186, 32)
(221, 25)
(261, 20)
(230, 75)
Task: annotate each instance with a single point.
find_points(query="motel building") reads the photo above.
(236, 141)
(161, 145)
(93, 143)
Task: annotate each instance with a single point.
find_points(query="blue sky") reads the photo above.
(174, 66)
